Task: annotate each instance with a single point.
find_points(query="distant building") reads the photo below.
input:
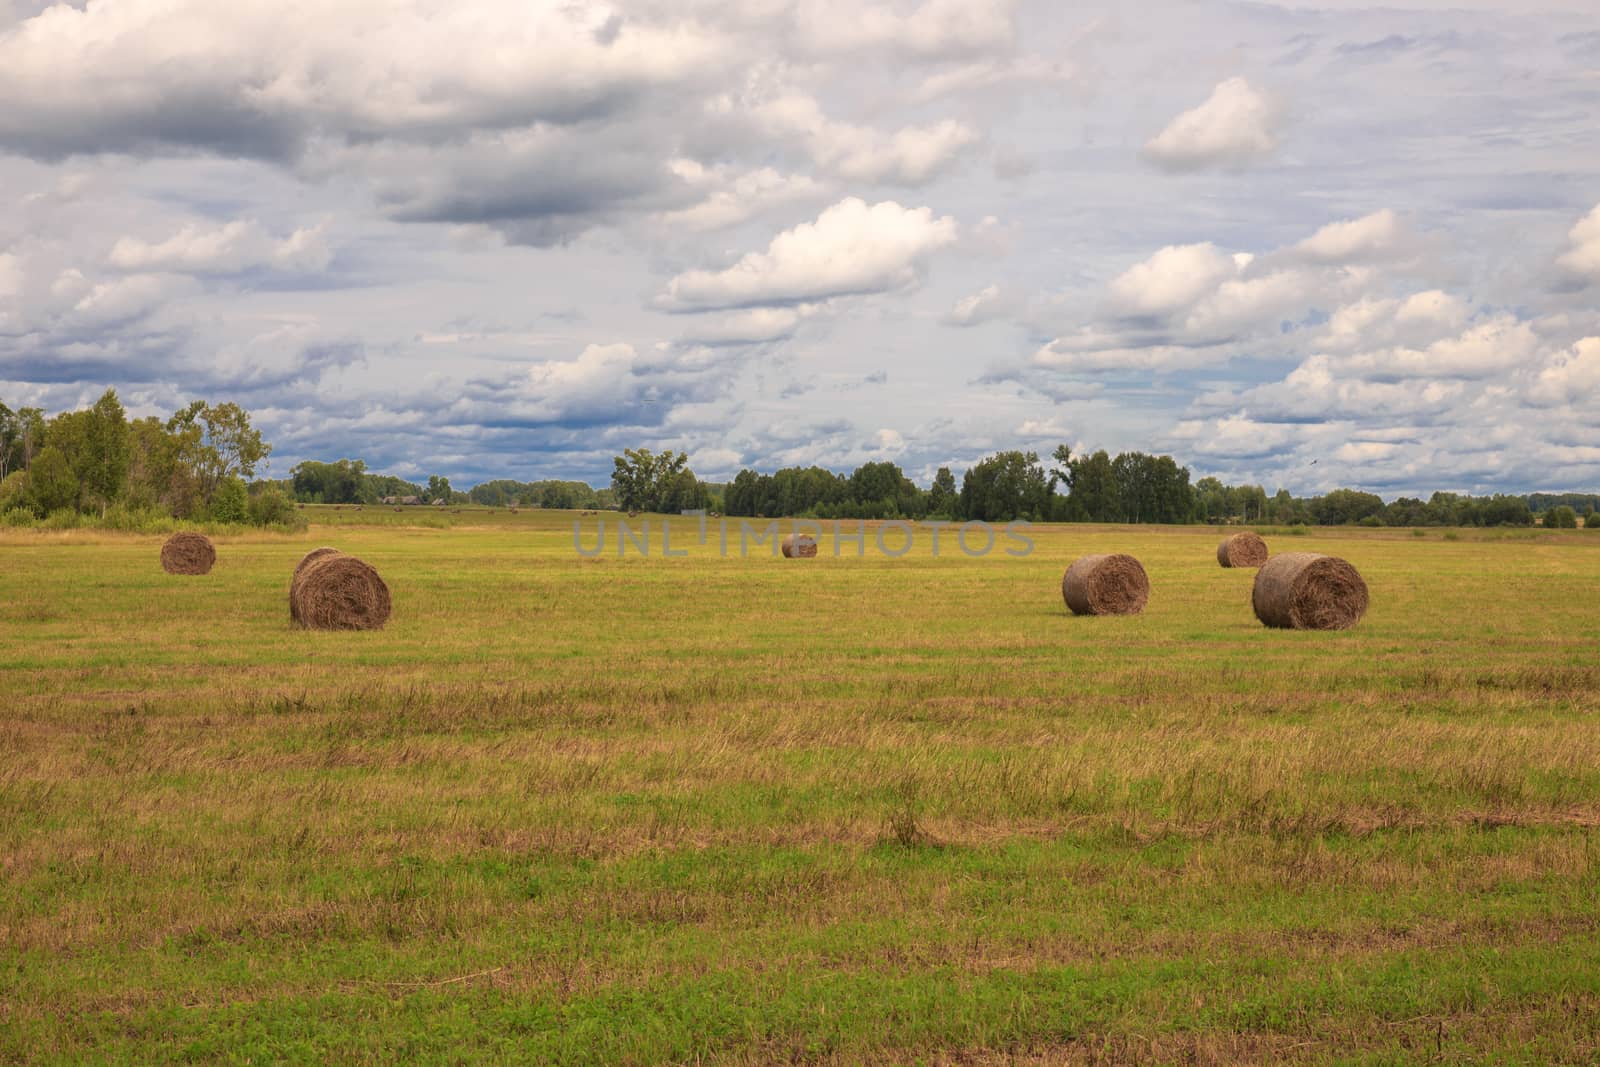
(410, 500)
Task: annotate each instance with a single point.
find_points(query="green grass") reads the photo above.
(839, 810)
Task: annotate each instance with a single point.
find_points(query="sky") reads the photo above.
(1300, 244)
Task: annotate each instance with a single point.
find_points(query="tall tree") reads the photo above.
(225, 446)
(943, 499)
(1095, 493)
(51, 484)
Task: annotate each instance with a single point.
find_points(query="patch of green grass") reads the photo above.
(850, 810)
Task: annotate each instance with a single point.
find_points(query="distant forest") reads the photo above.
(197, 465)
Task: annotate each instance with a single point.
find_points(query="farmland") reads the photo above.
(852, 809)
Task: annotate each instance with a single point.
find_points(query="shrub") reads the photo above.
(62, 519)
(1561, 518)
(19, 517)
(270, 508)
(230, 502)
(14, 491)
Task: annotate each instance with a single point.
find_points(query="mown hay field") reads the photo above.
(746, 810)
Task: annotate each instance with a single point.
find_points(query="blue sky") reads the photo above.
(1299, 244)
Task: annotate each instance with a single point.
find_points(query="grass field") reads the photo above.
(852, 810)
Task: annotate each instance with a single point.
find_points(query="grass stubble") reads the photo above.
(853, 810)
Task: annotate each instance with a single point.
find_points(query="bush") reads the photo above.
(62, 519)
(1561, 518)
(271, 508)
(230, 503)
(1593, 521)
(18, 517)
(14, 491)
(128, 519)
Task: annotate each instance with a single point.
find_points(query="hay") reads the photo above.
(299, 569)
(1105, 585)
(188, 553)
(1242, 550)
(333, 591)
(799, 546)
(1309, 591)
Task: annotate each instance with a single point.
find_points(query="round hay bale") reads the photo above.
(1108, 584)
(299, 569)
(1309, 591)
(188, 553)
(333, 591)
(1242, 550)
(799, 546)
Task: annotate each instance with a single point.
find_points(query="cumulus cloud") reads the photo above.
(1583, 255)
(125, 75)
(933, 29)
(851, 249)
(1571, 376)
(727, 199)
(1375, 236)
(989, 303)
(233, 247)
(1236, 125)
(1171, 279)
(910, 156)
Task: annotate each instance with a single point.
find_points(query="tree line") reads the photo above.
(97, 461)
(195, 465)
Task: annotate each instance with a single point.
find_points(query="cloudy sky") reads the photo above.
(1295, 243)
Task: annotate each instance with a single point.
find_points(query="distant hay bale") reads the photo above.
(1242, 550)
(333, 591)
(1309, 591)
(1108, 584)
(799, 546)
(188, 553)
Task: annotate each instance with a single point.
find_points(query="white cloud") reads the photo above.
(988, 303)
(752, 326)
(1172, 279)
(129, 74)
(1485, 350)
(1234, 126)
(934, 29)
(852, 248)
(728, 200)
(1234, 436)
(1570, 377)
(910, 156)
(889, 442)
(1373, 236)
(1584, 255)
(230, 248)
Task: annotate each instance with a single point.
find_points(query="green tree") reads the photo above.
(230, 502)
(1006, 486)
(943, 499)
(438, 489)
(51, 483)
(220, 444)
(1561, 518)
(103, 473)
(1095, 495)
(642, 478)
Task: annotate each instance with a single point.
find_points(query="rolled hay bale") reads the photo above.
(1242, 550)
(1309, 591)
(799, 546)
(333, 591)
(1107, 584)
(299, 569)
(188, 553)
